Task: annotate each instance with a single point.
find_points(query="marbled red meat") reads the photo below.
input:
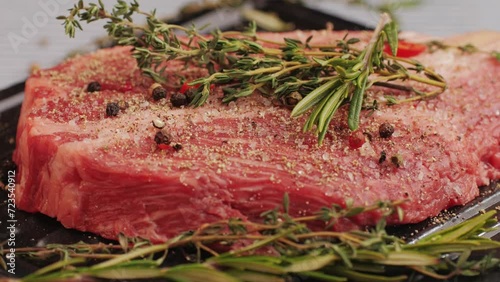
(107, 175)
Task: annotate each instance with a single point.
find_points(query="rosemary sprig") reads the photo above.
(323, 255)
(321, 78)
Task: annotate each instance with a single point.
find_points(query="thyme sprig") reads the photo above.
(322, 255)
(468, 48)
(320, 78)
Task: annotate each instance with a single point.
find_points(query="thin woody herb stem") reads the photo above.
(302, 251)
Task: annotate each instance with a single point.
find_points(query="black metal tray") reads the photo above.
(38, 229)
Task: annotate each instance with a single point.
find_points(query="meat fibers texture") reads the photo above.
(106, 175)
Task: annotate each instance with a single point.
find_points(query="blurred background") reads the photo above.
(30, 36)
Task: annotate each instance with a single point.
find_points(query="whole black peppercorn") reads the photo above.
(178, 100)
(397, 160)
(94, 86)
(177, 147)
(159, 93)
(161, 138)
(293, 98)
(385, 130)
(112, 109)
(189, 95)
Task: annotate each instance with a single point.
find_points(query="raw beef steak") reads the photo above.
(106, 174)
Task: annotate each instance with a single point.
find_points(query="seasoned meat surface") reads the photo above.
(106, 173)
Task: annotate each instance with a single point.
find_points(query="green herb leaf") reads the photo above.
(357, 103)
(409, 258)
(308, 263)
(391, 30)
(496, 55)
(314, 97)
(286, 203)
(197, 272)
(128, 273)
(319, 276)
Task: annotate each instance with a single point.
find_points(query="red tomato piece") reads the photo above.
(185, 87)
(164, 147)
(356, 139)
(127, 86)
(495, 160)
(406, 49)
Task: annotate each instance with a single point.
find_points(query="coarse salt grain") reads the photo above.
(420, 175)
(351, 176)
(325, 156)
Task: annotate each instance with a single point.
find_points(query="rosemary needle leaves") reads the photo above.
(327, 76)
(321, 255)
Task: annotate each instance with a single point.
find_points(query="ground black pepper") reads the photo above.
(123, 105)
(368, 135)
(383, 157)
(112, 109)
(94, 86)
(178, 100)
(385, 130)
